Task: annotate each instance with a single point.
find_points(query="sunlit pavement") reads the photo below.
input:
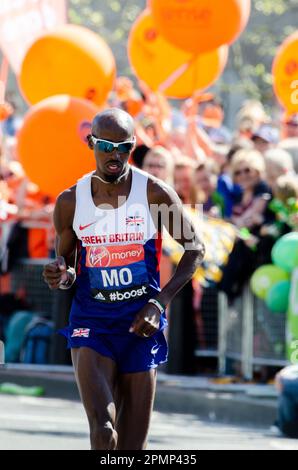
(44, 423)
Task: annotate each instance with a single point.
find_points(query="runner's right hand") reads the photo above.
(55, 272)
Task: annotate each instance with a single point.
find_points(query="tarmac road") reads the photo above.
(56, 424)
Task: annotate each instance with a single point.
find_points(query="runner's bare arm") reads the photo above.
(63, 219)
(56, 271)
(174, 218)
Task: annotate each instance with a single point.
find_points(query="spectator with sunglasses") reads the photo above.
(250, 212)
(248, 168)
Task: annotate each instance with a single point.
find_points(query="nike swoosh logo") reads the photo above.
(155, 349)
(82, 227)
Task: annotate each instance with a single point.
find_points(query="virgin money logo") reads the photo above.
(98, 257)
(110, 256)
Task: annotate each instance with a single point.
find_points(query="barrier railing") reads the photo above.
(250, 335)
(26, 277)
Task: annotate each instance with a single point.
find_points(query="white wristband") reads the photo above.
(157, 304)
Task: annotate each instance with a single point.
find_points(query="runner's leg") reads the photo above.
(135, 396)
(96, 376)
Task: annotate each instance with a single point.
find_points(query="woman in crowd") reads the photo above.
(248, 171)
(250, 213)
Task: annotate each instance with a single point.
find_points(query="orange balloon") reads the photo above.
(285, 73)
(70, 60)
(200, 25)
(52, 142)
(164, 67)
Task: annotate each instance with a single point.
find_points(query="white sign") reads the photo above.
(22, 21)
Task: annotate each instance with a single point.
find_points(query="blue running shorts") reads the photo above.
(130, 352)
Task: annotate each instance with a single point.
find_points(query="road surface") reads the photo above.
(51, 424)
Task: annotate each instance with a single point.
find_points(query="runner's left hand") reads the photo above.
(146, 322)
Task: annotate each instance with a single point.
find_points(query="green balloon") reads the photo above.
(265, 277)
(277, 299)
(285, 252)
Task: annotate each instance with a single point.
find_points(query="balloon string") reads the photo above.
(176, 75)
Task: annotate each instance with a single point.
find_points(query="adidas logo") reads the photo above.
(99, 296)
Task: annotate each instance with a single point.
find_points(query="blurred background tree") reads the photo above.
(252, 56)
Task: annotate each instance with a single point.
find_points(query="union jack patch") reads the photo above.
(78, 332)
(134, 220)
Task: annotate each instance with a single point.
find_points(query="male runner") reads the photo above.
(109, 241)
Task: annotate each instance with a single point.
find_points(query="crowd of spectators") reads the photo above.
(246, 176)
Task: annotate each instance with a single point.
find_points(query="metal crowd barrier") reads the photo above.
(26, 277)
(206, 322)
(243, 336)
(250, 335)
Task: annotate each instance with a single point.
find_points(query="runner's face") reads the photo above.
(111, 164)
